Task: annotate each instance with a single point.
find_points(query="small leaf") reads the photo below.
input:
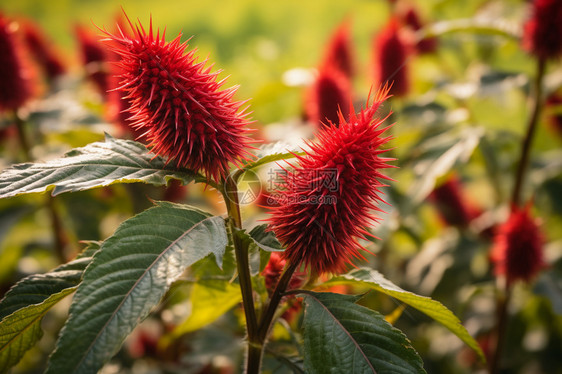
(210, 299)
(343, 337)
(271, 153)
(21, 330)
(36, 288)
(434, 309)
(264, 239)
(490, 26)
(95, 165)
(128, 276)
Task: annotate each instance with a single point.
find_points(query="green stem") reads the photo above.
(531, 129)
(59, 237)
(230, 194)
(271, 307)
(501, 325)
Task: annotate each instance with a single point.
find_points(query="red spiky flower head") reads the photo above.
(326, 203)
(45, 54)
(411, 18)
(15, 78)
(178, 104)
(518, 246)
(329, 93)
(451, 203)
(390, 54)
(542, 32)
(94, 56)
(339, 50)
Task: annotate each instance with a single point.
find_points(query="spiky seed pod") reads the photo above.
(94, 56)
(390, 55)
(518, 246)
(541, 33)
(329, 93)
(274, 268)
(339, 50)
(15, 77)
(451, 203)
(326, 203)
(177, 103)
(44, 54)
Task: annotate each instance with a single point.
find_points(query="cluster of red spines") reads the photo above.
(542, 32)
(273, 270)
(178, 105)
(327, 202)
(452, 205)
(15, 80)
(327, 96)
(339, 50)
(390, 55)
(518, 247)
(94, 57)
(45, 55)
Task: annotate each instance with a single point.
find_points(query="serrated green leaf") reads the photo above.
(271, 153)
(434, 309)
(21, 330)
(127, 278)
(210, 299)
(343, 337)
(95, 165)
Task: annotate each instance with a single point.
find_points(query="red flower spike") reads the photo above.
(339, 51)
(15, 78)
(518, 247)
(554, 108)
(452, 205)
(412, 19)
(327, 96)
(95, 58)
(178, 105)
(326, 203)
(390, 53)
(272, 273)
(45, 55)
(541, 33)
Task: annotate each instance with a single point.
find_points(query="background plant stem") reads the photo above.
(528, 139)
(59, 237)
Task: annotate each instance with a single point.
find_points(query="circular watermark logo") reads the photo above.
(249, 187)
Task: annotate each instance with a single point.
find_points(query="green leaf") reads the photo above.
(210, 299)
(36, 288)
(434, 309)
(95, 165)
(21, 330)
(265, 240)
(343, 337)
(473, 25)
(260, 245)
(437, 155)
(127, 278)
(271, 153)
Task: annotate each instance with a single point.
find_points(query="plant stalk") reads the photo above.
(271, 307)
(501, 325)
(230, 194)
(531, 129)
(59, 237)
